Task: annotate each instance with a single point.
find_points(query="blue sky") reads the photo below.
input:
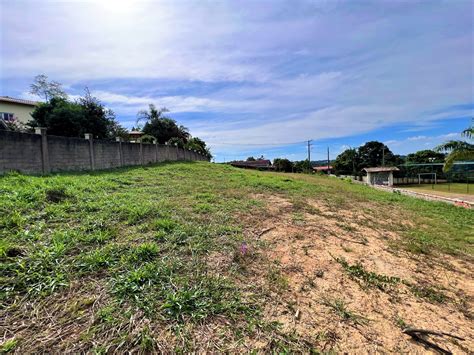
(250, 76)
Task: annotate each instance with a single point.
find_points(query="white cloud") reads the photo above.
(266, 72)
(415, 143)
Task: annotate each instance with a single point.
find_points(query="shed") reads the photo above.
(381, 175)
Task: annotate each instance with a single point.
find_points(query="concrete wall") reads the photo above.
(66, 154)
(20, 151)
(40, 153)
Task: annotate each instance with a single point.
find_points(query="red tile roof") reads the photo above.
(321, 168)
(18, 101)
(252, 164)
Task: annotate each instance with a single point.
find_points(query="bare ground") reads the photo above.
(312, 286)
(293, 252)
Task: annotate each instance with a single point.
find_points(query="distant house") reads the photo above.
(16, 109)
(135, 135)
(323, 169)
(260, 164)
(380, 176)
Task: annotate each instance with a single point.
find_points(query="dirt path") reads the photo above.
(335, 290)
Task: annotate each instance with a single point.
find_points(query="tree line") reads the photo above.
(352, 161)
(62, 116)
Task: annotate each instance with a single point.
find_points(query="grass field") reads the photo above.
(202, 257)
(453, 188)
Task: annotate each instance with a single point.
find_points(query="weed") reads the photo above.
(429, 293)
(340, 308)
(143, 253)
(147, 342)
(346, 226)
(99, 259)
(56, 195)
(165, 225)
(371, 279)
(277, 279)
(137, 213)
(8, 346)
(106, 314)
(400, 322)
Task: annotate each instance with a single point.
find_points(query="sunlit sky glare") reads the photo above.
(251, 76)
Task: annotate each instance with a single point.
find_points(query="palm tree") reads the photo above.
(458, 150)
(161, 127)
(152, 114)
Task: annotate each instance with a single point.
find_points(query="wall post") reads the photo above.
(141, 151)
(119, 141)
(155, 142)
(167, 151)
(44, 150)
(90, 138)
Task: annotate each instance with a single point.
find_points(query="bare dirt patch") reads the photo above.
(314, 296)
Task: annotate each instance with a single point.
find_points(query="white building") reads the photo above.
(380, 176)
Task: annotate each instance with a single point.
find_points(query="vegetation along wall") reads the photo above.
(41, 154)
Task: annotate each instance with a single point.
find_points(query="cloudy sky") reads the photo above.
(258, 77)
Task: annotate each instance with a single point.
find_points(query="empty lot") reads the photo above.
(198, 256)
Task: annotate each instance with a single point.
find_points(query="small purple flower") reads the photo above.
(244, 248)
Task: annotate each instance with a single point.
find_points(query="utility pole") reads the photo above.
(309, 156)
(329, 169)
(353, 163)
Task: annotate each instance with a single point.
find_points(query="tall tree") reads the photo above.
(282, 164)
(425, 156)
(62, 117)
(46, 89)
(373, 154)
(161, 127)
(458, 150)
(347, 163)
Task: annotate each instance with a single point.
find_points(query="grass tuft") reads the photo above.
(368, 278)
(340, 308)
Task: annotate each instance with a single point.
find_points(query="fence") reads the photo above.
(41, 154)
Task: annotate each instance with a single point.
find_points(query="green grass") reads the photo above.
(339, 307)
(147, 237)
(454, 188)
(386, 283)
(368, 278)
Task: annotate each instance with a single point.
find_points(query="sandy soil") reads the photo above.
(305, 246)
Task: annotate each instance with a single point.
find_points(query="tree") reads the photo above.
(347, 163)
(425, 156)
(97, 119)
(458, 150)
(161, 127)
(116, 129)
(373, 154)
(198, 145)
(251, 159)
(281, 164)
(62, 117)
(47, 89)
(302, 166)
(176, 141)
